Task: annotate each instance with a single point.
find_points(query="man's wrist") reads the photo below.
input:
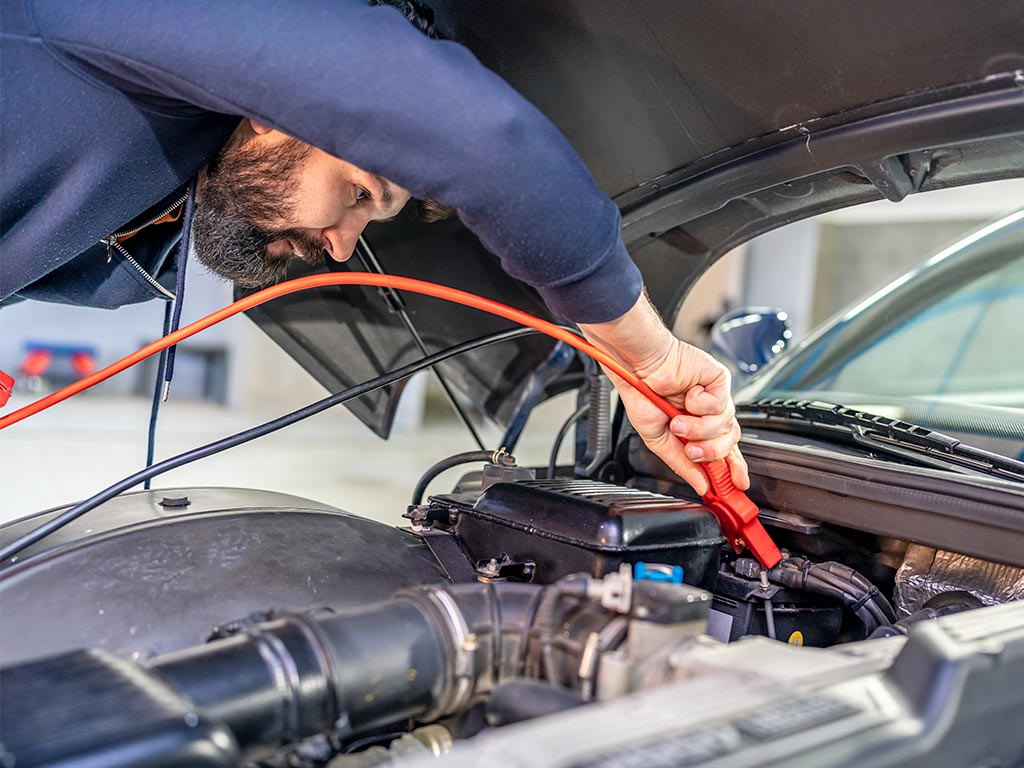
(638, 337)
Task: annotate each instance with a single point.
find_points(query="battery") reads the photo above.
(801, 618)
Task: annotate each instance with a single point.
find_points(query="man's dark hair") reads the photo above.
(245, 187)
(241, 187)
(419, 15)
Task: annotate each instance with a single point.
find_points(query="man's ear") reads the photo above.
(258, 128)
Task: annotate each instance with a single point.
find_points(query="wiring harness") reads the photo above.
(840, 582)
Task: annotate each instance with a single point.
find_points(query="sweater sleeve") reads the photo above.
(362, 84)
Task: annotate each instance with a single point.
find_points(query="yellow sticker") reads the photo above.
(797, 638)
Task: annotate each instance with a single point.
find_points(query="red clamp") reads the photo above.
(737, 515)
(6, 387)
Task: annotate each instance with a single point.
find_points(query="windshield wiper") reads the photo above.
(894, 437)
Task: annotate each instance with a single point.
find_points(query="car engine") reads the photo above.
(528, 603)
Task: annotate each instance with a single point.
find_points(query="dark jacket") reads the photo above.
(110, 107)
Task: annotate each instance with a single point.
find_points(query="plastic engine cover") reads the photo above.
(568, 526)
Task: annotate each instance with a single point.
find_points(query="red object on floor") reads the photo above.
(6, 387)
(36, 362)
(40, 354)
(83, 363)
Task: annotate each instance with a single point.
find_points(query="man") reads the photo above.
(111, 108)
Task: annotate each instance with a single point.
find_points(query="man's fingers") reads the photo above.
(712, 450)
(700, 401)
(668, 448)
(694, 475)
(696, 428)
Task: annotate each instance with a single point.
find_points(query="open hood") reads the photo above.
(708, 123)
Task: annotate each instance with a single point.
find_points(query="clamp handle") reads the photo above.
(737, 515)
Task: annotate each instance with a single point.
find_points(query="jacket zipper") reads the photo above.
(112, 245)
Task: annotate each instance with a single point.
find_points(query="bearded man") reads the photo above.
(291, 126)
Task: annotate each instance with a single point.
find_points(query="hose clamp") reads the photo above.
(462, 645)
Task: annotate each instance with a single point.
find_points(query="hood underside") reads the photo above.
(708, 123)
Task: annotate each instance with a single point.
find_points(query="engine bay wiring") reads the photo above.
(736, 513)
(12, 548)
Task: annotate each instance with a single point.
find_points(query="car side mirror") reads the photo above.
(751, 337)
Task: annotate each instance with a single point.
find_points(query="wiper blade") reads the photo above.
(892, 436)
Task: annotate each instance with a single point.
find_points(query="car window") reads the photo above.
(942, 345)
(965, 346)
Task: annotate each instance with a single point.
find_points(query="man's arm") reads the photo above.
(690, 379)
(362, 83)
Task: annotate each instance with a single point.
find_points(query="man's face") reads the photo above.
(268, 198)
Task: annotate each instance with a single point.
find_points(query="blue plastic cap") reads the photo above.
(673, 574)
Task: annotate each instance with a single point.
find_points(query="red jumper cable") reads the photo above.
(736, 513)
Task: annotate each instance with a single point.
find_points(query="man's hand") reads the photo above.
(690, 379)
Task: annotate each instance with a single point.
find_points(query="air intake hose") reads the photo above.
(425, 653)
(422, 654)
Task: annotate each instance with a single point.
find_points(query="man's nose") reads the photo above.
(343, 237)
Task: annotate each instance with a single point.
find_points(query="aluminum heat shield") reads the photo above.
(928, 572)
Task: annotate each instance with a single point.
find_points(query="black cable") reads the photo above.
(468, 457)
(397, 304)
(179, 291)
(560, 437)
(372, 741)
(839, 582)
(245, 436)
(861, 592)
(573, 585)
(158, 387)
(859, 597)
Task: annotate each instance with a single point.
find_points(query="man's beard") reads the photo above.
(242, 185)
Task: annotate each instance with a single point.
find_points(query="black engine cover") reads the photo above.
(568, 526)
(141, 576)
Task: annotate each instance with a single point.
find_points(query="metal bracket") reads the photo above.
(898, 176)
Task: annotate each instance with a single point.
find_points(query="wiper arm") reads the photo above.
(892, 436)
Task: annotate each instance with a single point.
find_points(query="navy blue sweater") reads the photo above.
(110, 107)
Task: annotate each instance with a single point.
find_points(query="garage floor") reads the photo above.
(85, 444)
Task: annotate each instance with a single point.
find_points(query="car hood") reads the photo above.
(708, 123)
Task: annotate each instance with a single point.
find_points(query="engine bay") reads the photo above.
(522, 603)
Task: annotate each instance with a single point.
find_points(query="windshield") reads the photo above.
(941, 346)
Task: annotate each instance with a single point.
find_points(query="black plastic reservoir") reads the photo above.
(568, 526)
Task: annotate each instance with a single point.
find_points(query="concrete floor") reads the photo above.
(81, 446)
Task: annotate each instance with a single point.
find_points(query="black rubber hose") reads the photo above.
(862, 591)
(580, 412)
(835, 583)
(573, 585)
(58, 522)
(855, 603)
(856, 594)
(469, 457)
(287, 679)
(281, 681)
(861, 581)
(520, 700)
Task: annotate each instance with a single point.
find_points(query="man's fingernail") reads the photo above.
(695, 452)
